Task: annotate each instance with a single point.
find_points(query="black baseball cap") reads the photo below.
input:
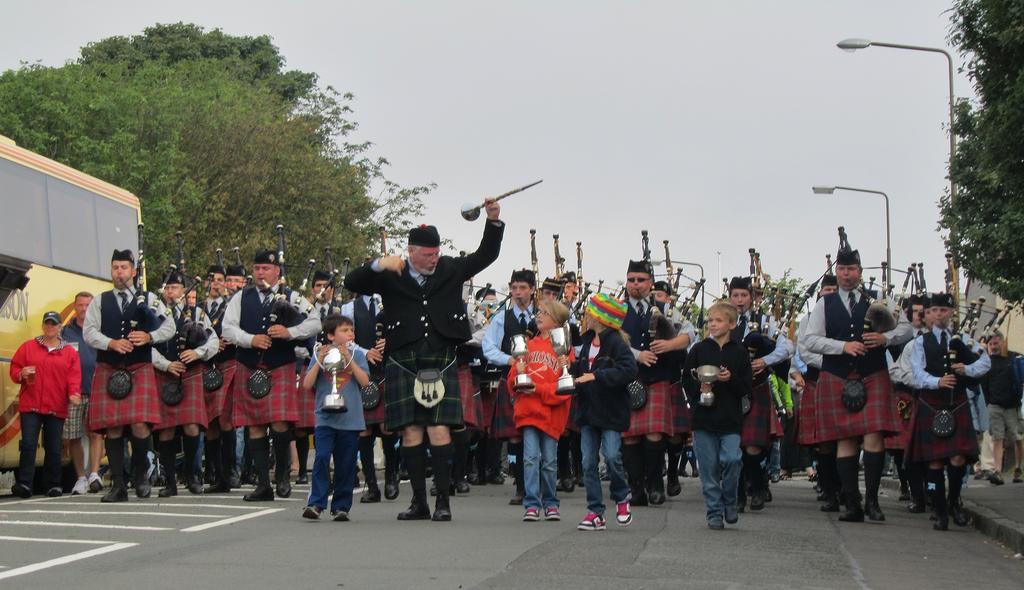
(51, 316)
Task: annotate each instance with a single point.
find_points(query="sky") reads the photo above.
(705, 123)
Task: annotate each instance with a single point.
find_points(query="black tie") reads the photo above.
(213, 309)
(743, 325)
(373, 309)
(522, 322)
(323, 312)
(853, 302)
(641, 309)
(266, 297)
(124, 301)
(943, 342)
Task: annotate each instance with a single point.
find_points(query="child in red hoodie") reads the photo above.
(541, 413)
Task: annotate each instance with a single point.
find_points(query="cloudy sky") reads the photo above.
(705, 123)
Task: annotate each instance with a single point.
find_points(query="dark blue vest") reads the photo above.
(170, 348)
(937, 363)
(366, 323)
(840, 326)
(218, 324)
(255, 320)
(114, 324)
(512, 328)
(638, 328)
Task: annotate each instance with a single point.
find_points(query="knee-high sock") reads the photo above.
(388, 443)
(227, 455)
(191, 446)
(416, 464)
(633, 463)
(115, 459)
(956, 483)
(140, 457)
(564, 446)
(494, 456)
(366, 460)
(460, 455)
(654, 464)
(480, 457)
(168, 451)
(752, 472)
(937, 490)
(675, 451)
(873, 463)
(847, 468)
(213, 462)
(827, 474)
(901, 469)
(439, 456)
(916, 479)
(302, 450)
(282, 455)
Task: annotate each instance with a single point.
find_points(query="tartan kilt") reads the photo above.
(401, 408)
(488, 406)
(307, 405)
(376, 415)
(757, 424)
(656, 415)
(469, 391)
(503, 423)
(806, 432)
(834, 422)
(925, 446)
(192, 409)
(899, 441)
(280, 405)
(218, 401)
(141, 406)
(680, 410)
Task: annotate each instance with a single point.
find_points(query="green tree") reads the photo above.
(217, 140)
(986, 221)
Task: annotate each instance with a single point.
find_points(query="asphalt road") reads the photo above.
(219, 541)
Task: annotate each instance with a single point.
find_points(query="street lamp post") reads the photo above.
(828, 190)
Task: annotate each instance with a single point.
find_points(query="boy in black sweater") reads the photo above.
(717, 415)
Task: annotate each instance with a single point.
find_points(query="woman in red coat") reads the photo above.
(541, 413)
(50, 376)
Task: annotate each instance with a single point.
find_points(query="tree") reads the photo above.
(216, 140)
(986, 221)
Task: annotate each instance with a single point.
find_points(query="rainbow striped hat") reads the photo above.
(607, 310)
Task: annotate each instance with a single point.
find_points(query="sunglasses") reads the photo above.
(636, 280)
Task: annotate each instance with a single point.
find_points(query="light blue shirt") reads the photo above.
(783, 346)
(496, 331)
(924, 380)
(353, 418)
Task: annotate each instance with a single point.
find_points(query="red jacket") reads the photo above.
(543, 409)
(58, 377)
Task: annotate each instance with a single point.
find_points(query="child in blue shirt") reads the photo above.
(336, 434)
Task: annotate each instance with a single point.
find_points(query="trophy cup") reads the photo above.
(334, 402)
(706, 374)
(523, 383)
(560, 344)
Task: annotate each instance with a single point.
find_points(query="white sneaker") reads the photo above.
(95, 483)
(81, 487)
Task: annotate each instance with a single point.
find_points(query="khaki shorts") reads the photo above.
(1004, 423)
(74, 425)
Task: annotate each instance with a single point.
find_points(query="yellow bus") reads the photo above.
(58, 227)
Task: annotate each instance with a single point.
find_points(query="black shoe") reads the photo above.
(217, 488)
(475, 480)
(462, 487)
(674, 488)
(169, 491)
(854, 513)
(516, 500)
(757, 501)
(21, 490)
(442, 511)
(302, 479)
(768, 495)
(639, 498)
(390, 488)
(656, 497)
(117, 493)
(370, 496)
(496, 479)
(941, 523)
(831, 504)
(284, 489)
(916, 508)
(956, 513)
(996, 479)
(54, 492)
(873, 511)
(143, 489)
(262, 493)
(418, 510)
(195, 486)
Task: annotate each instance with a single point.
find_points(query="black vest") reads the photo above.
(117, 325)
(840, 326)
(937, 362)
(512, 328)
(668, 365)
(218, 325)
(170, 348)
(365, 323)
(254, 319)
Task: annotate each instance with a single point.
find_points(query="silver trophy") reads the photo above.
(706, 374)
(560, 344)
(523, 382)
(334, 361)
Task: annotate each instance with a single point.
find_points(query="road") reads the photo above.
(219, 541)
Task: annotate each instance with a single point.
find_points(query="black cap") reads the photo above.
(122, 256)
(266, 257)
(523, 276)
(643, 266)
(848, 257)
(424, 235)
(175, 277)
(234, 270)
(569, 277)
(741, 283)
(553, 285)
(940, 300)
(51, 316)
(320, 275)
(663, 286)
(829, 280)
(484, 292)
(216, 268)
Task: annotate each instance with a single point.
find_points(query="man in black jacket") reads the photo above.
(426, 320)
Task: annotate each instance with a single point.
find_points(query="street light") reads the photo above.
(829, 190)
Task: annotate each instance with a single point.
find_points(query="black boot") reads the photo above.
(283, 462)
(302, 450)
(372, 493)
(215, 464)
(193, 480)
(654, 465)
(672, 487)
(901, 471)
(211, 448)
(872, 479)
(439, 456)
(115, 460)
(415, 463)
(228, 459)
(494, 475)
(847, 467)
(140, 466)
(168, 450)
(754, 476)
(516, 450)
(460, 458)
(829, 485)
(633, 463)
(390, 466)
(956, 484)
(937, 490)
(259, 451)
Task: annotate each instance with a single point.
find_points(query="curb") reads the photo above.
(987, 521)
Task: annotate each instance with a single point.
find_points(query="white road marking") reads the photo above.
(166, 505)
(35, 567)
(85, 526)
(40, 540)
(232, 520)
(112, 512)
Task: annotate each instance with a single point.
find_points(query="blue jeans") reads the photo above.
(540, 469)
(719, 459)
(343, 445)
(609, 443)
(52, 428)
